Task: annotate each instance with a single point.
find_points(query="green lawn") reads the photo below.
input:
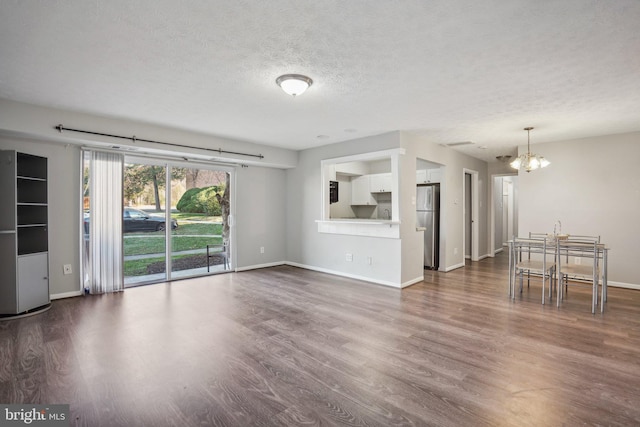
(186, 226)
(138, 267)
(197, 228)
(186, 237)
(156, 245)
(195, 231)
(184, 216)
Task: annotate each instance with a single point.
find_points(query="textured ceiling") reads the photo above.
(449, 70)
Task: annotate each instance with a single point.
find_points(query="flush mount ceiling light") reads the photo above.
(529, 161)
(294, 84)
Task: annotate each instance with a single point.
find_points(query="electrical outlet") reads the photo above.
(577, 260)
(261, 249)
(369, 260)
(66, 269)
(349, 257)
(455, 251)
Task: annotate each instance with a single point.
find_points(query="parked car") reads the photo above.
(137, 220)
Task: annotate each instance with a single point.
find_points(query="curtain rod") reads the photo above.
(174, 159)
(60, 128)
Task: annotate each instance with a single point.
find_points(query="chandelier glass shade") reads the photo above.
(529, 161)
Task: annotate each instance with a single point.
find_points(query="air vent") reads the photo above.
(458, 144)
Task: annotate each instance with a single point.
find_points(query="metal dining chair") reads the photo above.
(532, 256)
(575, 271)
(588, 249)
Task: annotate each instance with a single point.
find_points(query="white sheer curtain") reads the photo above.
(105, 269)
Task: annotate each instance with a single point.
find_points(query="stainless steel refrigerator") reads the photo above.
(428, 216)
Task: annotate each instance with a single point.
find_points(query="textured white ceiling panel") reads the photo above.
(450, 70)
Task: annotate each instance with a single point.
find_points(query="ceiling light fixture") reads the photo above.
(529, 161)
(294, 84)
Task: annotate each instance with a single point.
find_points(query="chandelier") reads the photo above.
(529, 161)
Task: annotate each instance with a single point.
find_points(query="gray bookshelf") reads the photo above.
(24, 242)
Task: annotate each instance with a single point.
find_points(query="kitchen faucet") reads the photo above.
(558, 226)
(388, 214)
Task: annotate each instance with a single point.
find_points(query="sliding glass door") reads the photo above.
(198, 244)
(175, 220)
(144, 222)
(176, 230)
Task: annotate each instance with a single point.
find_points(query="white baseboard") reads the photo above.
(497, 251)
(623, 285)
(351, 276)
(453, 267)
(483, 257)
(412, 282)
(256, 266)
(65, 295)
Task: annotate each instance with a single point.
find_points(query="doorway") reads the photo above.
(174, 230)
(470, 179)
(504, 211)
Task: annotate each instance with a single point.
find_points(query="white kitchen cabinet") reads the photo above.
(434, 175)
(380, 183)
(361, 191)
(428, 176)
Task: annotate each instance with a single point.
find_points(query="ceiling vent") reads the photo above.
(458, 144)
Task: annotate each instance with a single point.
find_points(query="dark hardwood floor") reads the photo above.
(287, 346)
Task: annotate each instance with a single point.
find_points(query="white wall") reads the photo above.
(451, 196)
(307, 247)
(260, 216)
(412, 239)
(397, 261)
(260, 191)
(276, 209)
(21, 119)
(593, 187)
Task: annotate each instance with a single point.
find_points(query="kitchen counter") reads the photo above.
(359, 220)
(360, 227)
